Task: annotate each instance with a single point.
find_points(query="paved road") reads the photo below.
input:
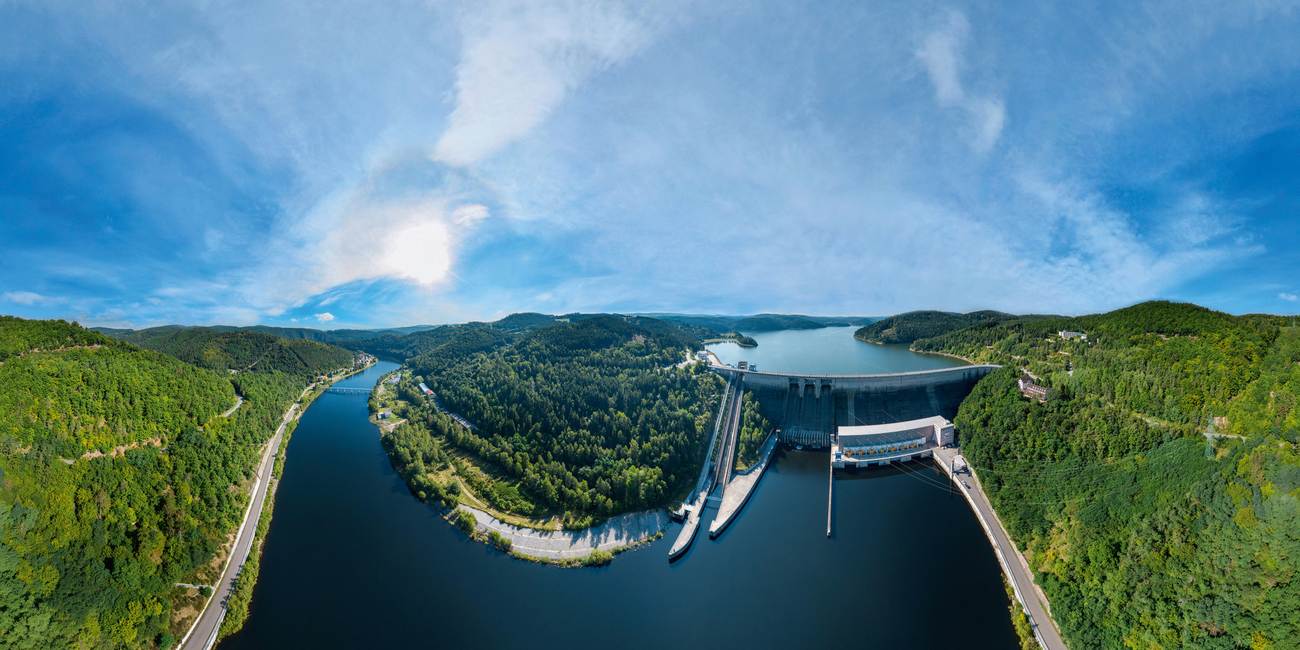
(203, 634)
(1013, 563)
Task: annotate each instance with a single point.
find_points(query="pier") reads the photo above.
(716, 466)
(737, 491)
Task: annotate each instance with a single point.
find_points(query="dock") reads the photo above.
(737, 491)
(830, 493)
(728, 412)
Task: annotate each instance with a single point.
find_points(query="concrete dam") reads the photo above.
(807, 409)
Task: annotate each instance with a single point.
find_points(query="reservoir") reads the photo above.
(353, 560)
(830, 350)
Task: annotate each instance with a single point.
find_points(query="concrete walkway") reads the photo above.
(1013, 563)
(737, 491)
(614, 534)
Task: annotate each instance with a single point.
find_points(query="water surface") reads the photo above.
(353, 560)
(830, 350)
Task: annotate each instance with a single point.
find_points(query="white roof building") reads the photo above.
(880, 444)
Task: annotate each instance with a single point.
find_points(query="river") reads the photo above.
(353, 560)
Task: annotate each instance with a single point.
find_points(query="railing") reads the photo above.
(348, 390)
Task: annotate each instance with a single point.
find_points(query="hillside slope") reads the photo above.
(582, 419)
(240, 350)
(1142, 531)
(913, 325)
(119, 477)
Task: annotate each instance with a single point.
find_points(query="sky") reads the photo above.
(358, 164)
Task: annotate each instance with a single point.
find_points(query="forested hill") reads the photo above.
(716, 324)
(1144, 531)
(121, 478)
(583, 419)
(913, 325)
(240, 350)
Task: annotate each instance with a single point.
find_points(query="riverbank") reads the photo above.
(940, 354)
(912, 348)
(1033, 601)
(570, 547)
(234, 588)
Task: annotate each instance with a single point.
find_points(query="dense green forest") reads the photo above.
(590, 418)
(92, 543)
(712, 324)
(1142, 531)
(913, 325)
(240, 350)
(754, 429)
(735, 337)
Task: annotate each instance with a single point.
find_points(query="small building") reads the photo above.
(425, 389)
(1068, 335)
(742, 365)
(702, 355)
(1029, 388)
(882, 444)
(384, 415)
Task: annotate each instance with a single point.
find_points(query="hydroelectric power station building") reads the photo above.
(881, 444)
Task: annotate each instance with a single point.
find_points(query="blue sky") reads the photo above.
(352, 164)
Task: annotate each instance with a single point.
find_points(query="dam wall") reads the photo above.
(809, 408)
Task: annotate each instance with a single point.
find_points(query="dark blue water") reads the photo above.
(353, 560)
(831, 350)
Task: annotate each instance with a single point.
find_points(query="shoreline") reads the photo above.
(592, 545)
(958, 357)
(272, 460)
(568, 548)
(913, 350)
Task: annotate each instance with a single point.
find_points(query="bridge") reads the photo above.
(348, 390)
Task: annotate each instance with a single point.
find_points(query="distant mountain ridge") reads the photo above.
(718, 324)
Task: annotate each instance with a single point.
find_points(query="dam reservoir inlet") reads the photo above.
(353, 560)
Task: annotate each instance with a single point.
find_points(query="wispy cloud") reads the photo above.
(519, 61)
(24, 297)
(467, 159)
(324, 317)
(941, 53)
(1288, 296)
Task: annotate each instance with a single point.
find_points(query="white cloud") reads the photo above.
(941, 54)
(1288, 296)
(324, 317)
(519, 61)
(468, 215)
(24, 297)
